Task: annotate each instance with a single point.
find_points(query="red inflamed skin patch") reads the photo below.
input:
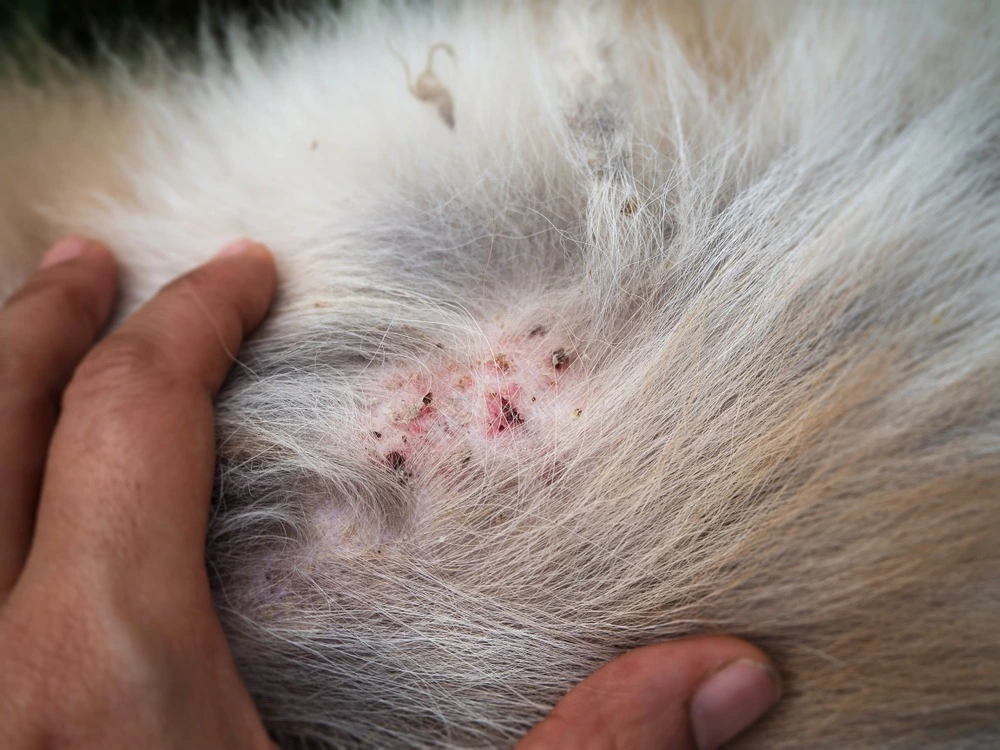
(438, 415)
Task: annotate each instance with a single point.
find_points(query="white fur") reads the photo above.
(770, 234)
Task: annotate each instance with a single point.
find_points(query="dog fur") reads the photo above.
(760, 242)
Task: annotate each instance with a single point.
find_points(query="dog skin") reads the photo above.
(597, 326)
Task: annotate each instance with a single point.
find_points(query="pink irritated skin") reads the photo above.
(441, 415)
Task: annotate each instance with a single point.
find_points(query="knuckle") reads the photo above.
(127, 363)
(66, 306)
(57, 637)
(74, 303)
(62, 298)
(123, 357)
(89, 662)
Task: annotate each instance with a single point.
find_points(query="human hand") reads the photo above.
(690, 693)
(108, 637)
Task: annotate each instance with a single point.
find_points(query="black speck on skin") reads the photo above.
(509, 416)
(560, 358)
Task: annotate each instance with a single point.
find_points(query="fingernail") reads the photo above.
(238, 248)
(65, 249)
(731, 700)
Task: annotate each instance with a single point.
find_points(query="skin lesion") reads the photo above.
(429, 414)
(396, 461)
(560, 358)
(503, 413)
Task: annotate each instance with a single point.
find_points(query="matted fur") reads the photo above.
(767, 233)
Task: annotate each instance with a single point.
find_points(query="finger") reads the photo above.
(131, 467)
(693, 693)
(45, 330)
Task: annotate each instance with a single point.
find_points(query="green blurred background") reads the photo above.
(78, 28)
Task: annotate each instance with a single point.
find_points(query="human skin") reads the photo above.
(108, 636)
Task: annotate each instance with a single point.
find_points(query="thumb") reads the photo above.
(692, 693)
